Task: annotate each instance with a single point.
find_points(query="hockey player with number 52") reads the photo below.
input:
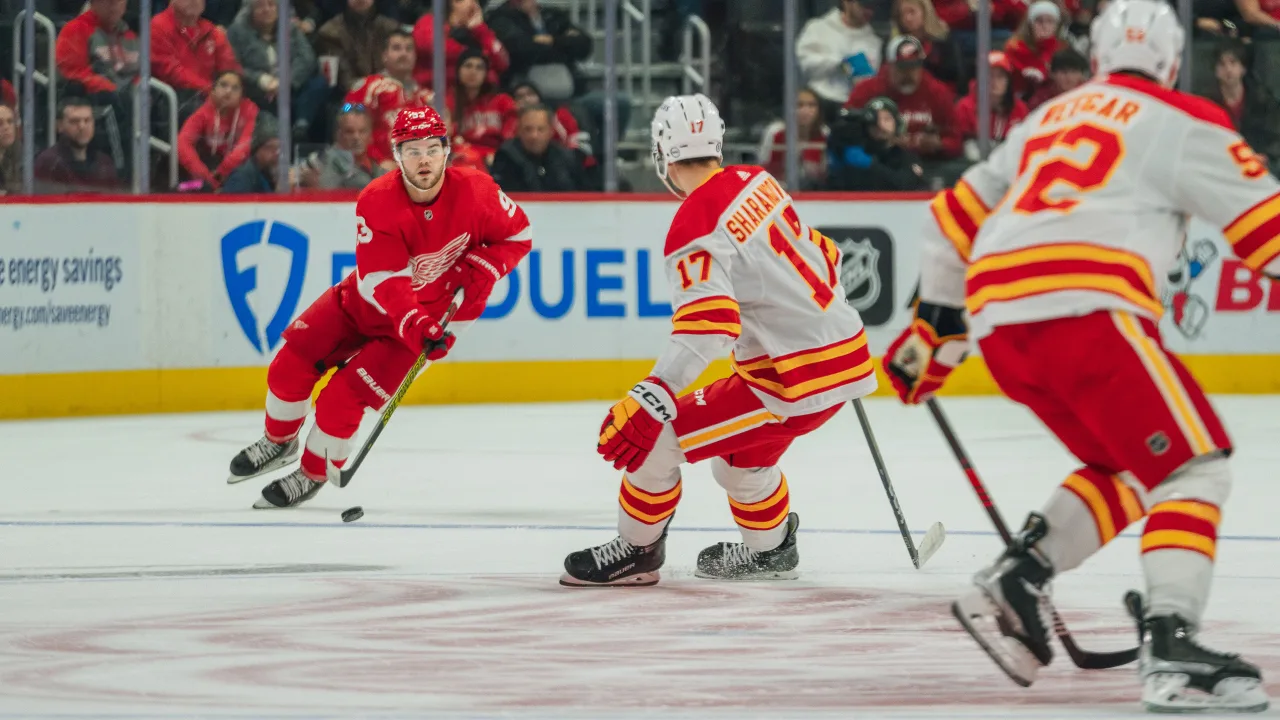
(1055, 246)
(422, 232)
(745, 272)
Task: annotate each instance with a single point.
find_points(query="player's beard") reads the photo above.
(424, 183)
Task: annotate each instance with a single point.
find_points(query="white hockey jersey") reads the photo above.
(744, 269)
(1085, 206)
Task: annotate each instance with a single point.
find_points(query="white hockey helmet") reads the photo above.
(685, 127)
(1140, 35)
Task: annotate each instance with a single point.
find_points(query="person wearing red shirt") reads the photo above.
(187, 52)
(811, 134)
(482, 116)
(219, 133)
(942, 58)
(925, 102)
(1067, 71)
(1031, 49)
(464, 29)
(1260, 13)
(98, 50)
(1007, 110)
(423, 232)
(7, 95)
(385, 94)
(960, 14)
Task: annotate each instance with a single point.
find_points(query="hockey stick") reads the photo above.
(343, 476)
(935, 535)
(1082, 658)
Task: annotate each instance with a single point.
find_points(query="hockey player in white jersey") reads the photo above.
(746, 273)
(1054, 246)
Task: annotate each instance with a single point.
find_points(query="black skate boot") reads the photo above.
(289, 491)
(617, 562)
(262, 457)
(1006, 611)
(1181, 676)
(736, 561)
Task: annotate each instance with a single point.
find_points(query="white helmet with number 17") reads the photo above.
(1138, 35)
(686, 127)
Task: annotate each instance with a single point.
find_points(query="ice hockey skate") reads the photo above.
(289, 491)
(615, 563)
(736, 561)
(1005, 610)
(262, 457)
(1181, 676)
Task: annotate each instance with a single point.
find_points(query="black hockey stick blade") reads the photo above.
(342, 476)
(1088, 660)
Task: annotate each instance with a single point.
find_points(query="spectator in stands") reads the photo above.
(1031, 49)
(1260, 13)
(811, 134)
(485, 118)
(918, 19)
(465, 28)
(253, 35)
(98, 51)
(70, 165)
(545, 47)
(866, 151)
(1007, 110)
(357, 37)
(219, 134)
(1067, 71)
(10, 152)
(7, 95)
(564, 126)
(346, 164)
(961, 17)
(924, 101)
(188, 52)
(837, 51)
(531, 162)
(384, 94)
(257, 174)
(1253, 110)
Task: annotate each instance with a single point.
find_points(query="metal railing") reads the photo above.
(160, 145)
(47, 80)
(691, 76)
(642, 14)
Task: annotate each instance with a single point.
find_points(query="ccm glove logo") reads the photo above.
(656, 404)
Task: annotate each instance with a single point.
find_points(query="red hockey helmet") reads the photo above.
(418, 123)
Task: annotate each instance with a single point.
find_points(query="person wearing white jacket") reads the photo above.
(836, 51)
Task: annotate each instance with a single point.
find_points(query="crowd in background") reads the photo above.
(889, 99)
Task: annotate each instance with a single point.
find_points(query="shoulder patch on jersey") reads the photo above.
(1202, 109)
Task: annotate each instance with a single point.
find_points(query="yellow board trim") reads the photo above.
(121, 392)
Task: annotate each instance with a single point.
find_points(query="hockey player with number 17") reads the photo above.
(1055, 246)
(744, 272)
(422, 232)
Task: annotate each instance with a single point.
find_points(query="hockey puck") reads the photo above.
(352, 514)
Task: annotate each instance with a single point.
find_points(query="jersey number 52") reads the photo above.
(1107, 152)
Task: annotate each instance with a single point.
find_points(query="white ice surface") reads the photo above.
(134, 583)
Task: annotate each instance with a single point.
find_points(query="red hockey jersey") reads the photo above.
(488, 122)
(383, 96)
(404, 248)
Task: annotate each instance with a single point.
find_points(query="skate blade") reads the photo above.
(262, 504)
(977, 616)
(751, 577)
(638, 580)
(272, 466)
(1167, 693)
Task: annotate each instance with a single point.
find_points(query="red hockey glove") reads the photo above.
(420, 331)
(476, 274)
(922, 357)
(437, 349)
(631, 429)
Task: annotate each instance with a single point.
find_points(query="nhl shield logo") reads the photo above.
(427, 215)
(866, 270)
(859, 273)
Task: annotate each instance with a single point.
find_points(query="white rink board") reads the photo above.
(207, 285)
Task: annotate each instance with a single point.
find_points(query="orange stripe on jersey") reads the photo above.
(1167, 382)
(715, 315)
(1054, 268)
(648, 508)
(1113, 505)
(766, 514)
(960, 213)
(1183, 525)
(727, 429)
(798, 375)
(1255, 235)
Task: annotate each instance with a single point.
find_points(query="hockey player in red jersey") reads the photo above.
(1049, 254)
(422, 232)
(745, 272)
